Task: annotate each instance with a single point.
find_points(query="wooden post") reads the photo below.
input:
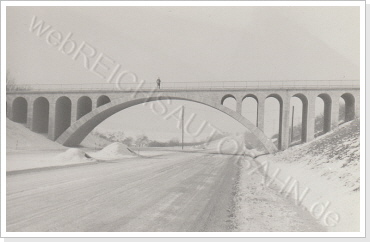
(182, 128)
(292, 132)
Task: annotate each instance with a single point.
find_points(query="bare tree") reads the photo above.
(142, 140)
(11, 83)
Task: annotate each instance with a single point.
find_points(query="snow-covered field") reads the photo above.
(261, 208)
(328, 169)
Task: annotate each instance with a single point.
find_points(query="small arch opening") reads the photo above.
(229, 101)
(298, 119)
(346, 108)
(250, 108)
(84, 106)
(20, 108)
(322, 114)
(62, 115)
(102, 100)
(273, 118)
(40, 116)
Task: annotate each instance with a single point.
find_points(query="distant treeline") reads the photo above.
(11, 84)
(144, 141)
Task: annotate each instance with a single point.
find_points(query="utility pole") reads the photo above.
(182, 127)
(292, 132)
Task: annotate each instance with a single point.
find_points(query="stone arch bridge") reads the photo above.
(68, 116)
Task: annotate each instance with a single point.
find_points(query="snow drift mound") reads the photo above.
(113, 151)
(72, 155)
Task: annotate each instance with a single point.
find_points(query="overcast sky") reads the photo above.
(187, 44)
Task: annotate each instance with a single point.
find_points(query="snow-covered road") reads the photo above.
(169, 192)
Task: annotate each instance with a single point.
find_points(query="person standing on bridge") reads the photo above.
(159, 83)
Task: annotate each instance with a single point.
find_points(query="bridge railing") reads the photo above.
(302, 84)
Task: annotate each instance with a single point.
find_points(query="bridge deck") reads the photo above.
(186, 86)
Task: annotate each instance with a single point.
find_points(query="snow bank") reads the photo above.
(72, 155)
(113, 151)
(28, 150)
(262, 208)
(329, 167)
(18, 137)
(24, 160)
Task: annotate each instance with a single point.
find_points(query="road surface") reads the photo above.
(168, 192)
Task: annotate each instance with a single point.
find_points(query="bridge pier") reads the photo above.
(73, 111)
(310, 118)
(9, 109)
(261, 113)
(239, 106)
(334, 112)
(51, 128)
(357, 105)
(29, 112)
(284, 122)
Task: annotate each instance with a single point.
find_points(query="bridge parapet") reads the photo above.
(177, 86)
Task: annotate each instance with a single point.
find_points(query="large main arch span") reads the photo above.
(81, 128)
